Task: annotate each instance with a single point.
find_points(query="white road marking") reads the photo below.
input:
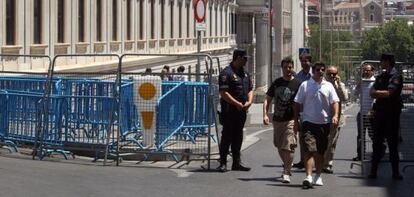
(182, 173)
(259, 132)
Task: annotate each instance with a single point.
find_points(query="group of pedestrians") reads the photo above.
(307, 112)
(166, 75)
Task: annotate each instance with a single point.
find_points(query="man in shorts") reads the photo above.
(319, 101)
(283, 90)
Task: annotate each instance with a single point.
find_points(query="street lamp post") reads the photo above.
(320, 29)
(271, 42)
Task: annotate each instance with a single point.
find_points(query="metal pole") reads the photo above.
(271, 42)
(198, 66)
(320, 30)
(304, 23)
(331, 22)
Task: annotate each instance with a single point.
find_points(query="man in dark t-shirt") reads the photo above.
(283, 90)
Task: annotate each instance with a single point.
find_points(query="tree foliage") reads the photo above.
(395, 37)
(337, 48)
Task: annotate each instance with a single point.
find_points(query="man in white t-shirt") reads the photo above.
(362, 91)
(319, 101)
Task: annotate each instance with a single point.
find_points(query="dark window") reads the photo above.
(114, 19)
(98, 20)
(61, 21)
(188, 20)
(152, 20)
(81, 21)
(10, 22)
(180, 21)
(231, 23)
(211, 21)
(225, 22)
(141, 19)
(194, 24)
(37, 21)
(235, 23)
(215, 21)
(128, 7)
(221, 22)
(162, 17)
(172, 19)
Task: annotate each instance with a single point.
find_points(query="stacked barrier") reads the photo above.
(62, 111)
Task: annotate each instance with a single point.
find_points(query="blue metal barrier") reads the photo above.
(130, 131)
(170, 115)
(196, 111)
(87, 110)
(79, 112)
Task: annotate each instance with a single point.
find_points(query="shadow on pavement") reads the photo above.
(286, 185)
(273, 179)
(271, 166)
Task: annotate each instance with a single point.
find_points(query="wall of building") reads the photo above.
(217, 40)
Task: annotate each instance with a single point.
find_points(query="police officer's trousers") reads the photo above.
(232, 135)
(386, 127)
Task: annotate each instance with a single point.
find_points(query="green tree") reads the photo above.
(395, 37)
(334, 48)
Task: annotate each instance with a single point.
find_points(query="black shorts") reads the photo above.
(315, 137)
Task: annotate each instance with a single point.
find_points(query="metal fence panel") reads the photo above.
(406, 143)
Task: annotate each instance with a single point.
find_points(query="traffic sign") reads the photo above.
(304, 51)
(200, 10)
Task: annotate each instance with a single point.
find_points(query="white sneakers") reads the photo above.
(307, 182)
(317, 181)
(285, 178)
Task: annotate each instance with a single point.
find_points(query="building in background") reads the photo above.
(54, 27)
(64, 27)
(253, 32)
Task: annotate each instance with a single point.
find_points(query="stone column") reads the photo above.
(244, 38)
(262, 52)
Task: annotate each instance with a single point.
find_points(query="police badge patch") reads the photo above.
(396, 81)
(234, 77)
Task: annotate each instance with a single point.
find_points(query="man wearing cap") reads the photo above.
(236, 91)
(387, 108)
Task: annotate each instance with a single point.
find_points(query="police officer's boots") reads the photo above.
(237, 166)
(223, 165)
(396, 171)
(373, 173)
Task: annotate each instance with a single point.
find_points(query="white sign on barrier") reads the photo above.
(147, 90)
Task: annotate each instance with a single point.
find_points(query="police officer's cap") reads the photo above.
(239, 53)
(387, 56)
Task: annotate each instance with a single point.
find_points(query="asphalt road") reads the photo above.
(25, 177)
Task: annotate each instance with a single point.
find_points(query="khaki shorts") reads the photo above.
(283, 135)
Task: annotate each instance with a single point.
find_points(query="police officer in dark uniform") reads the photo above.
(387, 108)
(236, 91)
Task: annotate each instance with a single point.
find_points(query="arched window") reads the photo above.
(371, 17)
